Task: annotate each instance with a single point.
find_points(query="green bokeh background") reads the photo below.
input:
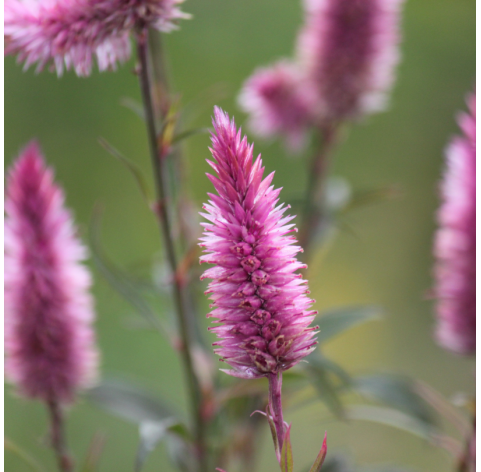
(385, 258)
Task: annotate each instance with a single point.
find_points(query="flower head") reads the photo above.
(69, 33)
(276, 99)
(455, 242)
(49, 341)
(348, 49)
(260, 302)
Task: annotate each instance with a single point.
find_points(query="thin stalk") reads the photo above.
(466, 463)
(275, 403)
(166, 231)
(57, 435)
(313, 214)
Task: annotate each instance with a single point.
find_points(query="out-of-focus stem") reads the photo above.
(312, 213)
(275, 403)
(466, 463)
(57, 436)
(166, 230)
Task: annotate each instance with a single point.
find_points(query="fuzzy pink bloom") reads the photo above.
(455, 243)
(260, 302)
(49, 341)
(69, 33)
(349, 49)
(276, 99)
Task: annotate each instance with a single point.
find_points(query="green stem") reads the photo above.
(166, 230)
(313, 213)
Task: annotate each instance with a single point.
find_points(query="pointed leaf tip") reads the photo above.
(316, 467)
(287, 461)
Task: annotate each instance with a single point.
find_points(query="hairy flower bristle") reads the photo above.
(68, 34)
(258, 299)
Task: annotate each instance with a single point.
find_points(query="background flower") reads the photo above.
(49, 341)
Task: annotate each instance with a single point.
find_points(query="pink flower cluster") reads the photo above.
(455, 242)
(49, 341)
(345, 58)
(260, 302)
(70, 33)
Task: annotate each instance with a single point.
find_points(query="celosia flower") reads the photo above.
(276, 99)
(260, 302)
(49, 341)
(455, 243)
(348, 49)
(69, 33)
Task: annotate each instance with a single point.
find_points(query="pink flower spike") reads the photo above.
(260, 302)
(49, 340)
(455, 242)
(69, 33)
(278, 103)
(349, 49)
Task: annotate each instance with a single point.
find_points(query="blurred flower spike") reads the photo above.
(68, 34)
(455, 242)
(260, 302)
(278, 103)
(344, 67)
(49, 340)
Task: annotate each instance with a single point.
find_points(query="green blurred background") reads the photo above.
(385, 258)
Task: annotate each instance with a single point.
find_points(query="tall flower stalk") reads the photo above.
(49, 340)
(259, 301)
(162, 211)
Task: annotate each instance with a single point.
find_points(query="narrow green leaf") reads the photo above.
(287, 461)
(390, 417)
(336, 321)
(133, 105)
(272, 427)
(119, 280)
(132, 167)
(129, 402)
(363, 198)
(151, 434)
(330, 381)
(9, 445)
(188, 133)
(180, 430)
(316, 467)
(94, 453)
(395, 391)
(338, 463)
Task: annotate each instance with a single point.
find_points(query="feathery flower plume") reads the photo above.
(348, 49)
(49, 341)
(260, 302)
(69, 33)
(276, 99)
(455, 242)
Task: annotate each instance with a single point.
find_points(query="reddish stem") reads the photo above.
(275, 404)
(57, 435)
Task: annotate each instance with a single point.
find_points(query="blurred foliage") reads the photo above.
(381, 255)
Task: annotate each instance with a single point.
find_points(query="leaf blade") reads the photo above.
(336, 321)
(321, 457)
(287, 461)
